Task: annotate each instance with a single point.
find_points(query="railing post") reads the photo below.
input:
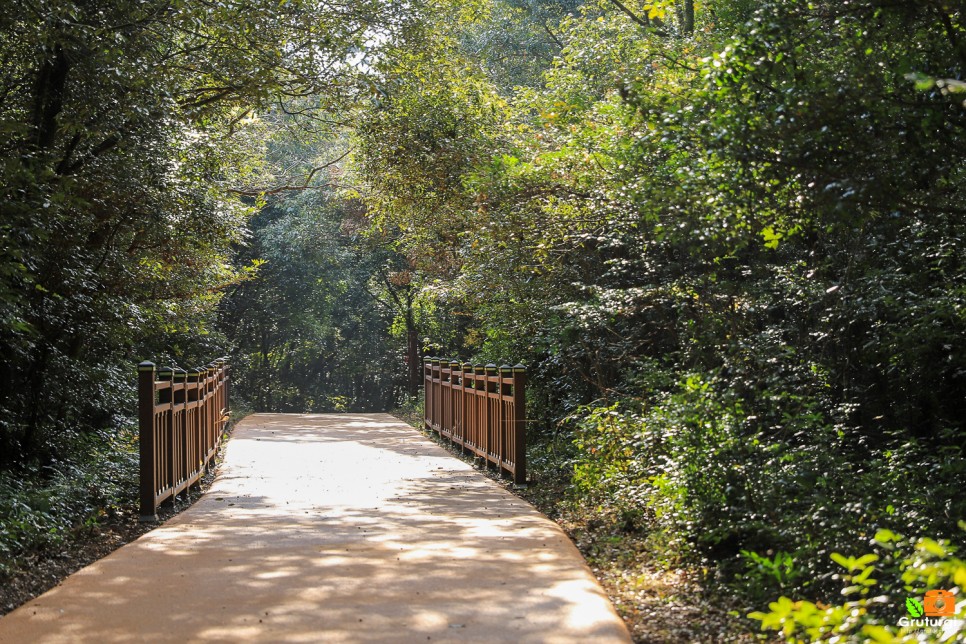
(207, 417)
(437, 395)
(469, 432)
(227, 369)
(493, 419)
(179, 460)
(427, 388)
(196, 431)
(520, 424)
(165, 443)
(146, 433)
(445, 386)
(220, 388)
(479, 405)
(507, 414)
(456, 424)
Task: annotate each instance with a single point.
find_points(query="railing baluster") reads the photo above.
(180, 421)
(481, 408)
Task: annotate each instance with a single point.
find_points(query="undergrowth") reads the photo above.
(43, 507)
(766, 508)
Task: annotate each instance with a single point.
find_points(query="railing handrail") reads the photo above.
(181, 418)
(481, 408)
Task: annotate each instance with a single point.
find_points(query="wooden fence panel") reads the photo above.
(182, 416)
(481, 408)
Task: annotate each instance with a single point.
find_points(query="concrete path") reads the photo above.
(335, 528)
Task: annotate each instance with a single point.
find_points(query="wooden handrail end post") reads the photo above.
(519, 433)
(146, 431)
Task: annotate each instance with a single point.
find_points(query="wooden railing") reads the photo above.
(182, 416)
(480, 408)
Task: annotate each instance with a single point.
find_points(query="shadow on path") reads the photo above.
(335, 528)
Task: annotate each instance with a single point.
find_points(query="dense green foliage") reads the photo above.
(125, 134)
(132, 155)
(727, 238)
(731, 248)
(917, 566)
(99, 482)
(314, 331)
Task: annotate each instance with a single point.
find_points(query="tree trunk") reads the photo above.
(687, 17)
(412, 348)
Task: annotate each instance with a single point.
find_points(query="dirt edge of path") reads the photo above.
(38, 572)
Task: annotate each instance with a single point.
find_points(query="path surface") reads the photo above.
(335, 528)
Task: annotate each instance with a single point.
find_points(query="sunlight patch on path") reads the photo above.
(335, 528)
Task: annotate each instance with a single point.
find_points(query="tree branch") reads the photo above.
(552, 35)
(644, 22)
(951, 33)
(288, 188)
(102, 147)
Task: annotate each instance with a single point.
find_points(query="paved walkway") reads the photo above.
(335, 528)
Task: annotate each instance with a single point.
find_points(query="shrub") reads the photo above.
(885, 588)
(761, 504)
(42, 510)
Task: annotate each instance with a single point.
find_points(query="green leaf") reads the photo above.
(931, 546)
(922, 81)
(865, 560)
(914, 606)
(886, 536)
(842, 560)
(772, 238)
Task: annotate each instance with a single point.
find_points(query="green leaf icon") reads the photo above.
(914, 606)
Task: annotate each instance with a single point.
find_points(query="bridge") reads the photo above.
(333, 528)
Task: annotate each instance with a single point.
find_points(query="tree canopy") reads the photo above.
(129, 130)
(726, 237)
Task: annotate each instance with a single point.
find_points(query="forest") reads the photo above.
(727, 238)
